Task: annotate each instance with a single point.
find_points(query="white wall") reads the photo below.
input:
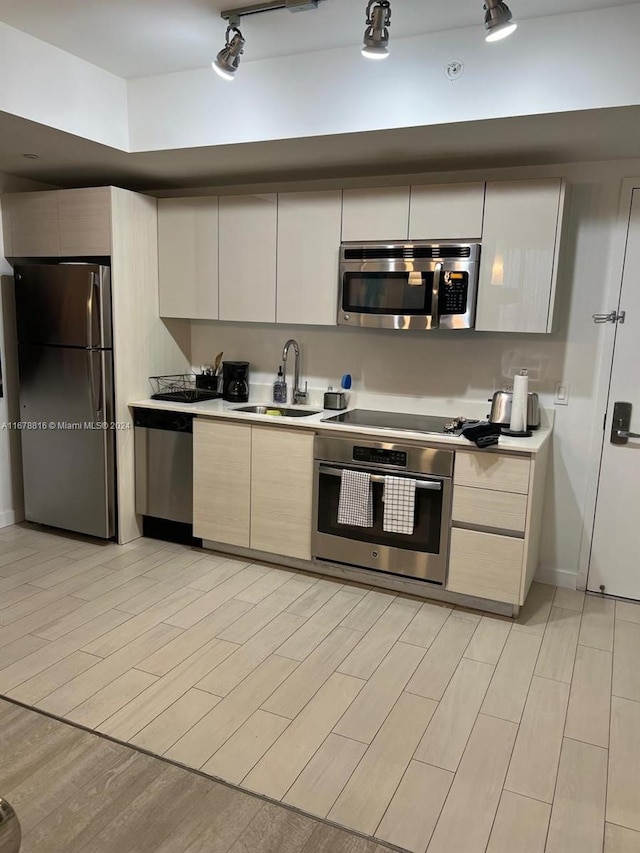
(443, 366)
(568, 62)
(42, 83)
(11, 499)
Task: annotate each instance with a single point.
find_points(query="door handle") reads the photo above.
(623, 433)
(621, 426)
(435, 297)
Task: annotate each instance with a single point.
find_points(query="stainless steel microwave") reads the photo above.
(416, 285)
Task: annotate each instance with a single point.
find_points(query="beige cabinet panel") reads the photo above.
(492, 471)
(247, 235)
(221, 481)
(485, 565)
(519, 260)
(281, 491)
(31, 225)
(446, 212)
(308, 256)
(485, 508)
(188, 257)
(375, 214)
(85, 221)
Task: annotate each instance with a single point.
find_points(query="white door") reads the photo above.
(615, 552)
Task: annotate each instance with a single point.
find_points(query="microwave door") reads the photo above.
(398, 298)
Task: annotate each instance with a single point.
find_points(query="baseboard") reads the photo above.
(9, 517)
(557, 577)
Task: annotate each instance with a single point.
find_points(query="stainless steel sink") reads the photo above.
(277, 411)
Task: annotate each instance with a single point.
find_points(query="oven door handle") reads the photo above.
(431, 485)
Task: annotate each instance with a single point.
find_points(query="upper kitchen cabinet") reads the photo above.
(308, 256)
(446, 212)
(519, 259)
(188, 257)
(247, 265)
(375, 214)
(58, 223)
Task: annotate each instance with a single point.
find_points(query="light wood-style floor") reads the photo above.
(421, 725)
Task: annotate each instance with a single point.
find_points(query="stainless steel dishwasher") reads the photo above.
(164, 465)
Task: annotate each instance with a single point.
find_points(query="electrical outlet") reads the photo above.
(562, 394)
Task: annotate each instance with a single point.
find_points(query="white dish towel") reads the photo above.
(399, 505)
(355, 507)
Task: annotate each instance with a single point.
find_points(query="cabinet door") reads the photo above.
(85, 221)
(446, 212)
(248, 226)
(31, 226)
(485, 565)
(188, 257)
(375, 214)
(221, 481)
(518, 263)
(281, 491)
(308, 257)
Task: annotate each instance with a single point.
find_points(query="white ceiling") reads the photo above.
(137, 38)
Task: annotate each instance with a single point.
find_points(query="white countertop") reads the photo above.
(221, 409)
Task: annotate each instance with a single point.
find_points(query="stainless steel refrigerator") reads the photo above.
(65, 361)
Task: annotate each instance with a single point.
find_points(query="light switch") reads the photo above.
(562, 394)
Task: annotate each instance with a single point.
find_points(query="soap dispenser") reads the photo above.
(280, 388)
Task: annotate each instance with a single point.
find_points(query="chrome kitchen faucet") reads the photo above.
(297, 395)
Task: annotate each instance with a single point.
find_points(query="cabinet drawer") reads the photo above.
(485, 565)
(492, 471)
(485, 508)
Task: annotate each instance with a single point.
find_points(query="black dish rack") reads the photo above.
(182, 388)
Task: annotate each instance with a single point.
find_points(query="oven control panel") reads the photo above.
(378, 456)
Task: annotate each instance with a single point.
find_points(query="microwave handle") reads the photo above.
(435, 297)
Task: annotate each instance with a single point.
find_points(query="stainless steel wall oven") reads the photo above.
(422, 554)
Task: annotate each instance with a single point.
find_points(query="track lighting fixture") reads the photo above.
(227, 61)
(498, 20)
(376, 35)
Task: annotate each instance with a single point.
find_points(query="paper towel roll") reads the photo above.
(519, 405)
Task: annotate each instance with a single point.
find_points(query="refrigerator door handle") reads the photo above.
(97, 406)
(92, 288)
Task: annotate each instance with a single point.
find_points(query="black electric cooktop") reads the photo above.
(401, 421)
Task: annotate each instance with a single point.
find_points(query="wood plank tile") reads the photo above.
(467, 817)
(314, 598)
(197, 746)
(276, 772)
(184, 645)
(153, 595)
(618, 839)
(46, 739)
(247, 626)
(119, 578)
(519, 818)
(623, 794)
(318, 786)
(369, 710)
(171, 724)
(535, 612)
(247, 657)
(447, 734)
(626, 653)
(569, 599)
(20, 649)
(320, 625)
(590, 697)
(34, 689)
(175, 568)
(216, 573)
(45, 596)
(414, 810)
(628, 611)
(434, 673)
(598, 619)
(509, 686)
(265, 585)
(370, 789)
(111, 698)
(62, 700)
(376, 643)
(577, 817)
(331, 839)
(210, 601)
(275, 828)
(34, 623)
(239, 755)
(365, 614)
(558, 650)
(18, 593)
(126, 722)
(534, 765)
(489, 639)
(426, 624)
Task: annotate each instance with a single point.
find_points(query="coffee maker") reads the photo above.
(235, 381)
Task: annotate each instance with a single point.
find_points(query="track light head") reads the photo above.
(498, 20)
(227, 61)
(376, 35)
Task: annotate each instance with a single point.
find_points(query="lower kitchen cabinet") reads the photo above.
(485, 565)
(253, 486)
